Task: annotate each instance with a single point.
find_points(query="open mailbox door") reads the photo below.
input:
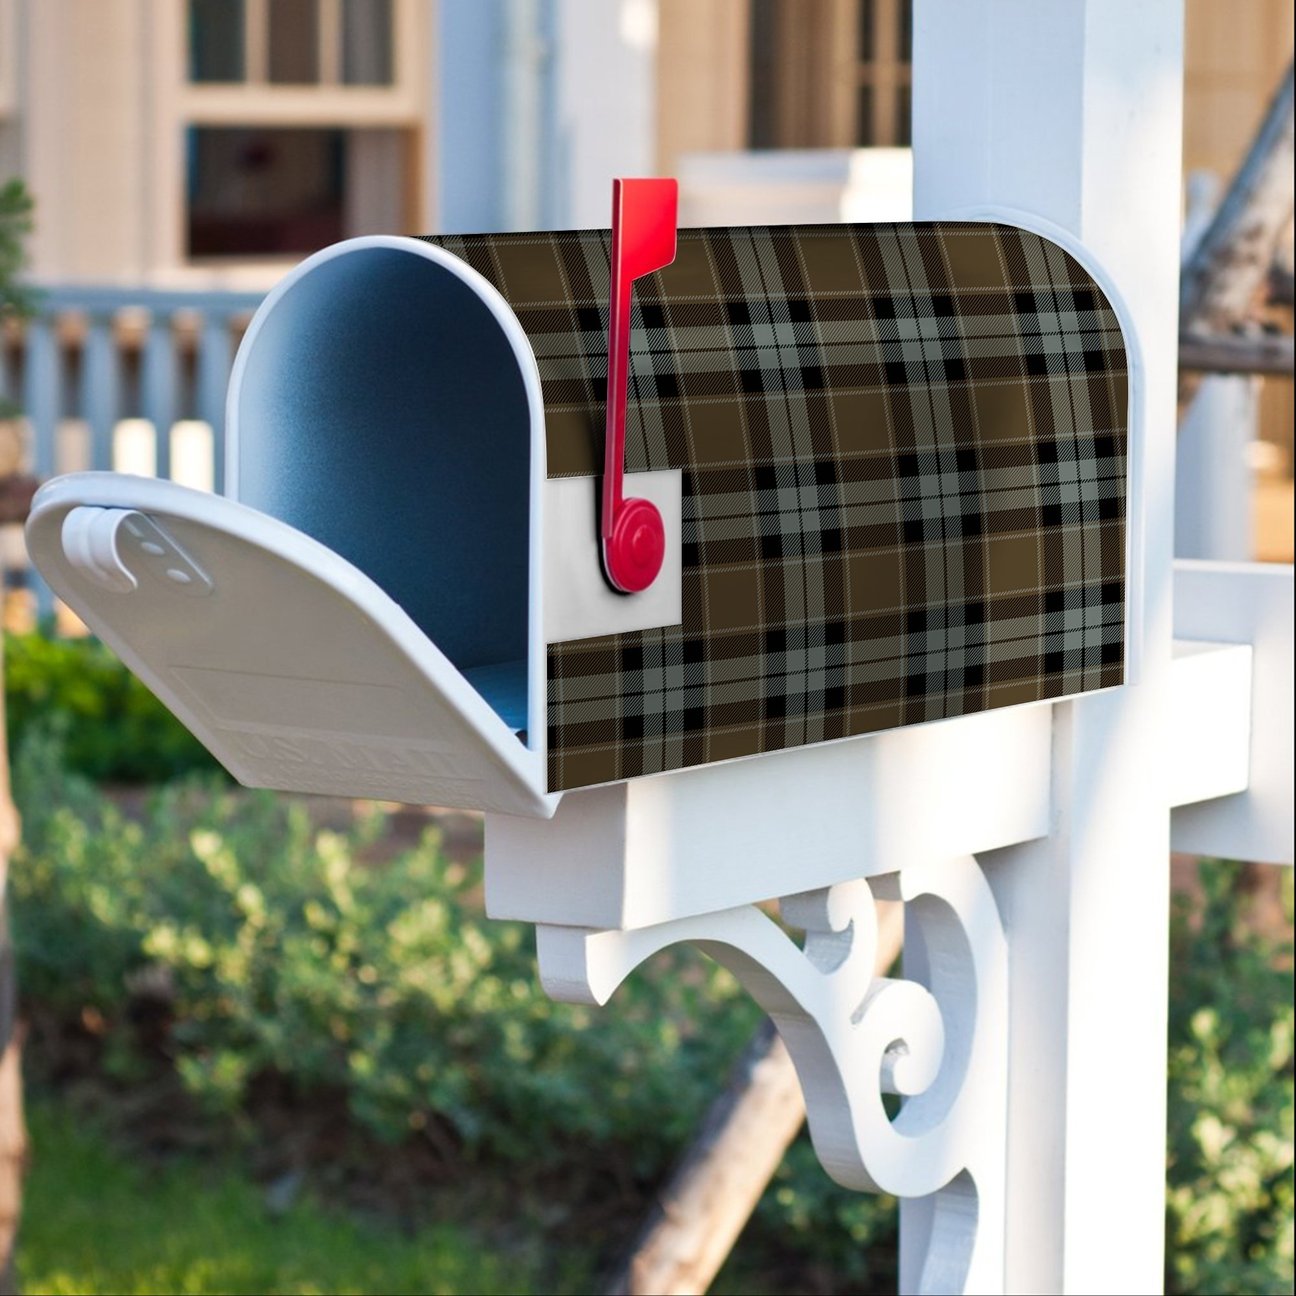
(293, 667)
(366, 620)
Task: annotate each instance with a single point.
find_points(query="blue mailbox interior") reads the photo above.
(382, 411)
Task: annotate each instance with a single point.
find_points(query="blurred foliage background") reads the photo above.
(304, 1028)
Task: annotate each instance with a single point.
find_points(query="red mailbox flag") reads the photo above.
(644, 219)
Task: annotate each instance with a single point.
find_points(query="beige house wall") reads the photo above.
(1234, 56)
(1234, 53)
(701, 78)
(10, 139)
(1233, 60)
(83, 116)
(92, 98)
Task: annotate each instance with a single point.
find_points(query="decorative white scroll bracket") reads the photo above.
(936, 1037)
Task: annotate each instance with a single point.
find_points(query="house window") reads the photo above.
(830, 73)
(278, 192)
(216, 46)
(300, 122)
(264, 192)
(884, 71)
(366, 42)
(291, 42)
(293, 52)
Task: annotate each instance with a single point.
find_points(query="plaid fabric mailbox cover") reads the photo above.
(904, 464)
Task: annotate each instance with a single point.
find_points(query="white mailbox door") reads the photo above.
(286, 661)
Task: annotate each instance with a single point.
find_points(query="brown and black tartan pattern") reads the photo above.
(904, 459)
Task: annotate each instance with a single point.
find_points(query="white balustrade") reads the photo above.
(125, 379)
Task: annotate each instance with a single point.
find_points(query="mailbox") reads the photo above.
(889, 463)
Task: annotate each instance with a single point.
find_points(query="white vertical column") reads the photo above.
(526, 59)
(215, 346)
(606, 75)
(1214, 513)
(1072, 111)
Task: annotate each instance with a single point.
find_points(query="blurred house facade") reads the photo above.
(212, 142)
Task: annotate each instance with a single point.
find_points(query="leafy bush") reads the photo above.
(113, 728)
(847, 1240)
(1230, 1199)
(282, 953)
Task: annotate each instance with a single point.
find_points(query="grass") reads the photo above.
(95, 1221)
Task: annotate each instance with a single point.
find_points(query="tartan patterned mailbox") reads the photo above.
(904, 459)
(893, 460)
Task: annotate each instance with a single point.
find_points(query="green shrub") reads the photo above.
(283, 954)
(113, 728)
(846, 1239)
(1229, 1200)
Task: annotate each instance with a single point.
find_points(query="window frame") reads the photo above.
(181, 103)
(817, 92)
(255, 100)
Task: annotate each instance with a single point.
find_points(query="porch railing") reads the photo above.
(125, 379)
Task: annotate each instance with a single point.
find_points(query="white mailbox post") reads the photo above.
(1074, 111)
(322, 635)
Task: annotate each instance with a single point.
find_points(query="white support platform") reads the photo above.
(656, 850)
(678, 845)
(1243, 603)
(1208, 747)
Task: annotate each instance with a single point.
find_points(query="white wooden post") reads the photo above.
(1072, 111)
(1214, 515)
(604, 88)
